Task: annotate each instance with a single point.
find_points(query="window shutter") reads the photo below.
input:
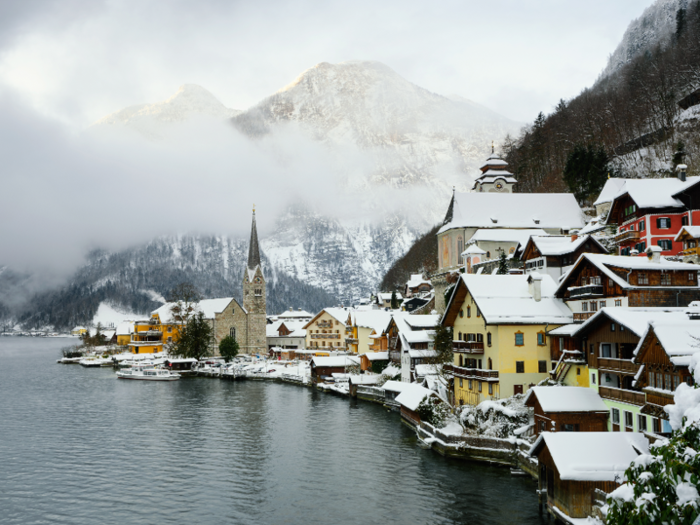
(658, 223)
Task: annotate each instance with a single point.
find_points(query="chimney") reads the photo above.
(574, 235)
(534, 286)
(681, 169)
(654, 254)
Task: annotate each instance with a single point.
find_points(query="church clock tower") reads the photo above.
(254, 295)
(495, 177)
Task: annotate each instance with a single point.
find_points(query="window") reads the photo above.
(606, 350)
(460, 382)
(642, 278)
(478, 312)
(170, 328)
(610, 282)
(461, 313)
(663, 223)
(490, 389)
(542, 367)
(665, 244)
(594, 306)
(684, 220)
(656, 425)
(640, 246)
(460, 248)
(665, 279)
(543, 426)
(612, 327)
(470, 384)
(233, 309)
(691, 276)
(631, 227)
(602, 304)
(595, 279)
(258, 291)
(170, 339)
(584, 307)
(568, 427)
(593, 379)
(578, 370)
(615, 416)
(488, 338)
(629, 420)
(469, 311)
(479, 386)
(520, 367)
(541, 339)
(667, 381)
(641, 423)
(618, 302)
(519, 339)
(642, 226)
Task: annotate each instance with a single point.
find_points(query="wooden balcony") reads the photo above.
(658, 398)
(623, 366)
(627, 236)
(324, 324)
(468, 347)
(351, 340)
(325, 336)
(579, 318)
(472, 373)
(590, 290)
(619, 394)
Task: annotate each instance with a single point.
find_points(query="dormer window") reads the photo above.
(536, 221)
(494, 220)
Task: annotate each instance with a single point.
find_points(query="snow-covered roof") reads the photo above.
(506, 299)
(567, 399)
(655, 193)
(422, 321)
(473, 249)
(565, 330)
(506, 235)
(386, 296)
(335, 361)
(693, 231)
(561, 244)
(425, 370)
(209, 307)
(365, 379)
(108, 334)
(515, 210)
(373, 319)
(494, 160)
(416, 280)
(592, 456)
(413, 354)
(610, 190)
(377, 356)
(679, 336)
(636, 320)
(125, 328)
(594, 225)
(396, 386)
(413, 395)
(295, 327)
(295, 314)
(337, 313)
(418, 336)
(604, 263)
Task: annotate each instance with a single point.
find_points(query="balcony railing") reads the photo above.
(324, 324)
(468, 347)
(589, 290)
(579, 318)
(325, 336)
(631, 235)
(656, 397)
(351, 340)
(472, 373)
(610, 364)
(619, 394)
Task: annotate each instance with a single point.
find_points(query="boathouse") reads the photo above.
(567, 409)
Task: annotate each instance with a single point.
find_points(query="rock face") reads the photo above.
(190, 101)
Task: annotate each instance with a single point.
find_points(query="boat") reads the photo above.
(143, 373)
(95, 361)
(69, 360)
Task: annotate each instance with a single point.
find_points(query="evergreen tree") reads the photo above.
(195, 339)
(503, 266)
(394, 301)
(679, 154)
(586, 171)
(442, 343)
(228, 348)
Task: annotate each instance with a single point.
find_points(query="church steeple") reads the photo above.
(254, 248)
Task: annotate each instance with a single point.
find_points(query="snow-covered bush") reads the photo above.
(433, 411)
(496, 418)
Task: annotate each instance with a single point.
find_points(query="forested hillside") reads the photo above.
(421, 257)
(632, 116)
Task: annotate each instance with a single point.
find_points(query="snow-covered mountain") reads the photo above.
(190, 101)
(656, 25)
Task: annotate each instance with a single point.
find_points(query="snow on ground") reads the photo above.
(108, 315)
(502, 418)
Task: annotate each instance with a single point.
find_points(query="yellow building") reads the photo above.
(78, 330)
(124, 331)
(360, 325)
(499, 324)
(326, 331)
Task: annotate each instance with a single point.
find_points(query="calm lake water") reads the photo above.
(78, 446)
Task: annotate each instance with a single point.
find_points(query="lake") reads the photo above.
(79, 446)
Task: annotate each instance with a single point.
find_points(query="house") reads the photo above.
(603, 348)
(416, 285)
(415, 303)
(598, 281)
(494, 241)
(567, 409)
(410, 340)
(325, 367)
(556, 254)
(555, 213)
(409, 400)
(392, 389)
(295, 315)
(286, 334)
(110, 336)
(651, 212)
(365, 380)
(689, 237)
(572, 465)
(327, 330)
(664, 354)
(608, 193)
(374, 361)
(359, 325)
(499, 325)
(124, 331)
(78, 330)
(384, 299)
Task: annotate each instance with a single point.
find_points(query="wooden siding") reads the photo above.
(585, 421)
(601, 332)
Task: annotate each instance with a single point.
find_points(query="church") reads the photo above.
(246, 323)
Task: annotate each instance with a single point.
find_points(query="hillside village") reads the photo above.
(532, 338)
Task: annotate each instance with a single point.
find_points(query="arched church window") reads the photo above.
(460, 249)
(232, 332)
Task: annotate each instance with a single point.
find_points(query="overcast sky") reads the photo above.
(66, 63)
(78, 60)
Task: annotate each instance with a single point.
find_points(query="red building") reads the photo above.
(651, 212)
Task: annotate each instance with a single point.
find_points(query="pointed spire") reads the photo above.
(450, 209)
(493, 148)
(254, 249)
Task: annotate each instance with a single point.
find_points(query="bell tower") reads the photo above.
(254, 297)
(495, 177)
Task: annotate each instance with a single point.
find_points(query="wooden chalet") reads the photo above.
(689, 237)
(664, 354)
(324, 367)
(597, 281)
(409, 400)
(374, 361)
(555, 254)
(573, 465)
(651, 212)
(567, 409)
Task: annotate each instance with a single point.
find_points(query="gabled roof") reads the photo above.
(335, 361)
(688, 231)
(505, 235)
(592, 456)
(679, 337)
(125, 328)
(339, 314)
(605, 262)
(555, 245)
(295, 314)
(514, 210)
(413, 395)
(566, 399)
(373, 319)
(376, 356)
(209, 307)
(636, 320)
(610, 190)
(654, 193)
(416, 280)
(506, 299)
